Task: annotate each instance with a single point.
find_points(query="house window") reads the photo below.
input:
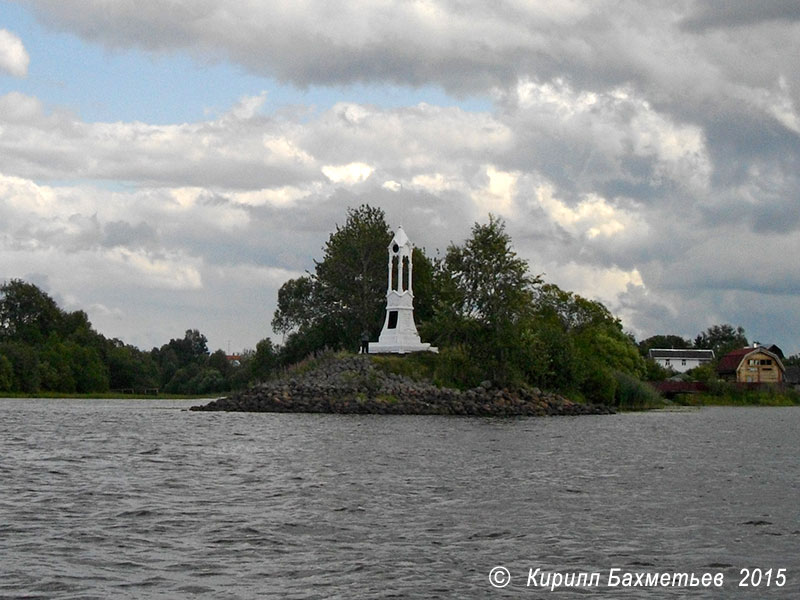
(666, 362)
(683, 362)
(766, 361)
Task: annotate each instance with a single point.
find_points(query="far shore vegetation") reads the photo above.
(491, 317)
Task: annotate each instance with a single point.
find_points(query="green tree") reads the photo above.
(346, 293)
(424, 286)
(27, 314)
(241, 374)
(264, 361)
(721, 339)
(185, 355)
(663, 341)
(88, 369)
(596, 347)
(490, 283)
(297, 305)
(70, 367)
(55, 366)
(352, 272)
(6, 374)
(484, 294)
(192, 348)
(181, 381)
(24, 361)
(219, 362)
(655, 372)
(129, 367)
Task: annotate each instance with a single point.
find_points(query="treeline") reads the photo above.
(46, 349)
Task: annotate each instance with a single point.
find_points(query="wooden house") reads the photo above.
(753, 364)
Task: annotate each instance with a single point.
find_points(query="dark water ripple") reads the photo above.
(127, 499)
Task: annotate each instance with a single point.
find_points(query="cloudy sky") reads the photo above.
(168, 164)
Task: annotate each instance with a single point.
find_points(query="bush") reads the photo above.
(420, 366)
(633, 393)
(599, 385)
(6, 374)
(452, 367)
(725, 393)
(24, 362)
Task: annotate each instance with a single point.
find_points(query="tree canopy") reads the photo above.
(721, 339)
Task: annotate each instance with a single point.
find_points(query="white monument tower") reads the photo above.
(399, 334)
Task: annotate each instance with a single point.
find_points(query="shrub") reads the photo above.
(633, 393)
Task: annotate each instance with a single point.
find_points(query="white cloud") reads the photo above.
(351, 173)
(392, 185)
(280, 197)
(593, 217)
(599, 134)
(436, 183)
(14, 59)
(497, 197)
(228, 152)
(16, 107)
(168, 272)
(777, 102)
(606, 284)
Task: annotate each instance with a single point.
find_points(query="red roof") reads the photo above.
(730, 362)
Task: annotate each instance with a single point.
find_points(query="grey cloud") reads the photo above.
(464, 46)
(233, 152)
(737, 13)
(122, 233)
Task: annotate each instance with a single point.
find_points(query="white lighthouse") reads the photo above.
(399, 334)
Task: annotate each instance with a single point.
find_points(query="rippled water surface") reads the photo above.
(143, 499)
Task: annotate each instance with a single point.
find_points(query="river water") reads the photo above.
(144, 499)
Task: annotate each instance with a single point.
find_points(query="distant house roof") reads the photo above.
(792, 375)
(681, 353)
(776, 350)
(731, 361)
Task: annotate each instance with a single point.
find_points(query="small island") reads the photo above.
(363, 384)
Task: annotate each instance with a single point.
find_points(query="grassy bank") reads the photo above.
(763, 398)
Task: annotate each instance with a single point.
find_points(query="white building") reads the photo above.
(399, 334)
(681, 360)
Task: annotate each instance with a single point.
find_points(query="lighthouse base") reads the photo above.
(379, 348)
(399, 334)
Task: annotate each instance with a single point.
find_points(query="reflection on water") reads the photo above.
(140, 499)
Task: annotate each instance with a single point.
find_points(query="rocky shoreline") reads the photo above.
(353, 385)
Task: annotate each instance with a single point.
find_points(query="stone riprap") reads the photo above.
(353, 385)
